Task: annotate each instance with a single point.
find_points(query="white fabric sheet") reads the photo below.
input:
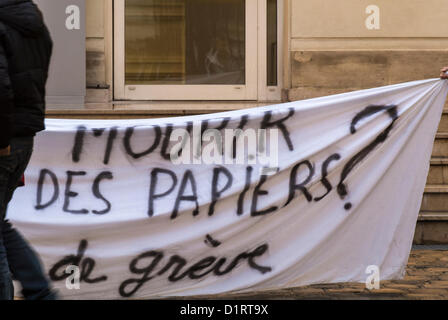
(220, 240)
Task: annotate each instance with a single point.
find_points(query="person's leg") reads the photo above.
(23, 261)
(7, 167)
(26, 266)
(6, 286)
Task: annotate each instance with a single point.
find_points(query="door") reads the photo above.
(186, 49)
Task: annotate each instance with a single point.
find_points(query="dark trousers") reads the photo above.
(17, 258)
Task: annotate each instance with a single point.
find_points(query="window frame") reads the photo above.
(255, 89)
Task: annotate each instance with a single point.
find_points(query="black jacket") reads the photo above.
(25, 51)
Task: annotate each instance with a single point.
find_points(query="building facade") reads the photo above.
(152, 58)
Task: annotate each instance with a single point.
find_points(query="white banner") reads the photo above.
(332, 188)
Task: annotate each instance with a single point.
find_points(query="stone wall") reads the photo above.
(319, 73)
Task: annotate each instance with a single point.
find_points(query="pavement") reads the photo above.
(426, 279)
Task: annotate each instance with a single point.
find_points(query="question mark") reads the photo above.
(353, 162)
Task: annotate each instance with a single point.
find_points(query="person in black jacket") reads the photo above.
(25, 51)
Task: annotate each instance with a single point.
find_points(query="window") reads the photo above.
(196, 49)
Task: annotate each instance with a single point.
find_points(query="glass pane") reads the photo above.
(185, 42)
(272, 43)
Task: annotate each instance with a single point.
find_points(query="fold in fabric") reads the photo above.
(343, 194)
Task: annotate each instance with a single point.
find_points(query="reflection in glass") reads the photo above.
(185, 42)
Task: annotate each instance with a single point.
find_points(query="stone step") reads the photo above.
(433, 216)
(440, 149)
(432, 228)
(435, 199)
(438, 171)
(443, 125)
